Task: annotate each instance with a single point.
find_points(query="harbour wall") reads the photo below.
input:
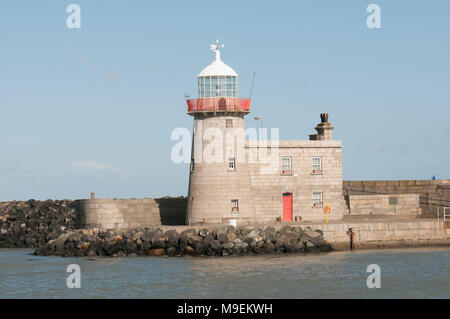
(33, 224)
(423, 187)
(380, 234)
(395, 205)
(363, 198)
(434, 195)
(111, 213)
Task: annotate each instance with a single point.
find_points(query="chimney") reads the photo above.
(324, 129)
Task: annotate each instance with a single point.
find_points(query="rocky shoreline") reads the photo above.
(32, 224)
(51, 228)
(222, 241)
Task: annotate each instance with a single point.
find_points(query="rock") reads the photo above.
(203, 232)
(184, 237)
(241, 232)
(291, 230)
(253, 236)
(279, 244)
(223, 237)
(221, 234)
(171, 238)
(228, 248)
(269, 234)
(85, 246)
(290, 243)
(325, 247)
(189, 250)
(313, 236)
(222, 241)
(240, 247)
(155, 252)
(33, 223)
(91, 253)
(172, 251)
(268, 247)
(231, 234)
(216, 245)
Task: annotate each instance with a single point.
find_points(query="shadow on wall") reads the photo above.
(111, 213)
(172, 210)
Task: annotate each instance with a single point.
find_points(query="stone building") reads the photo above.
(236, 180)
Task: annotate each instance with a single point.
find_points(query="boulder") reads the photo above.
(314, 237)
(155, 252)
(268, 247)
(171, 238)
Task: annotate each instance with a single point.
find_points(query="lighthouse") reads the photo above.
(219, 181)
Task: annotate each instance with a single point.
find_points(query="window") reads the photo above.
(231, 163)
(317, 199)
(317, 165)
(213, 86)
(286, 165)
(234, 205)
(393, 200)
(229, 123)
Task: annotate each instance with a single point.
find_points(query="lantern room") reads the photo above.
(218, 89)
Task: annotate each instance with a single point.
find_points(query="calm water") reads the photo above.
(405, 273)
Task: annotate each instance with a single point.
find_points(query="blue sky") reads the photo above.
(92, 109)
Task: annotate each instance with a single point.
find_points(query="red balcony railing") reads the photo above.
(218, 104)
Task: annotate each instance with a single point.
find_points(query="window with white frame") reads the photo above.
(231, 163)
(286, 165)
(317, 199)
(317, 164)
(234, 205)
(229, 123)
(215, 86)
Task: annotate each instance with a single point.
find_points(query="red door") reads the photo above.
(287, 207)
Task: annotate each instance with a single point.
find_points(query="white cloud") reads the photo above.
(99, 167)
(112, 77)
(28, 170)
(91, 165)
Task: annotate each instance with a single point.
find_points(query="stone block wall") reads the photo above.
(109, 213)
(268, 187)
(212, 185)
(386, 234)
(433, 194)
(422, 187)
(398, 205)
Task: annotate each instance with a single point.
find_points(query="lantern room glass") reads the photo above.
(217, 86)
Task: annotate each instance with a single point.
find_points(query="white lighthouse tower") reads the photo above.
(219, 182)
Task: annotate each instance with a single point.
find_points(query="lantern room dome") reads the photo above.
(218, 67)
(217, 79)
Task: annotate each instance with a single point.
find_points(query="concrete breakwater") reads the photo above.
(57, 228)
(366, 234)
(221, 241)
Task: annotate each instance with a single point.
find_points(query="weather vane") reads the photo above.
(216, 48)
